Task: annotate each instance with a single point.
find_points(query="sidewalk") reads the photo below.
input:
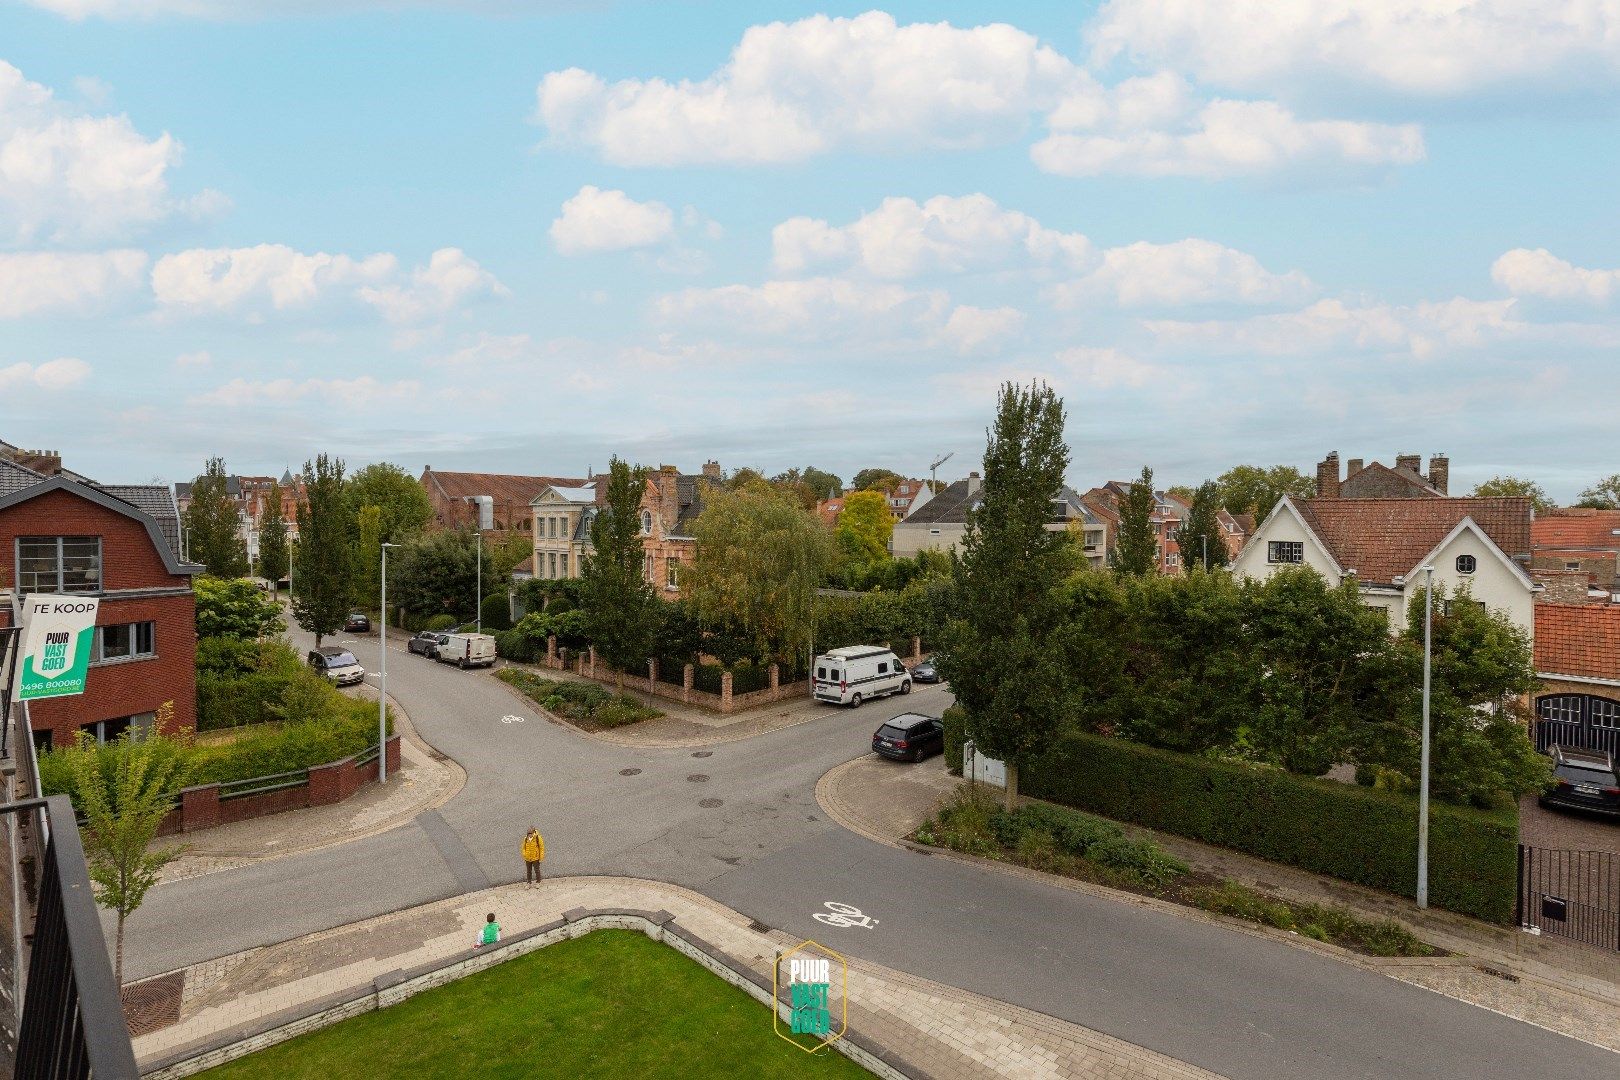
(1559, 985)
(937, 1031)
(426, 779)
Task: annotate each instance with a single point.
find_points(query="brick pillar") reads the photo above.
(652, 675)
(393, 755)
(551, 651)
(199, 807)
(725, 691)
(776, 677)
(593, 661)
(326, 783)
(686, 683)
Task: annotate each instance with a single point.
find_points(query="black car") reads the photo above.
(910, 737)
(1583, 780)
(357, 623)
(927, 671)
(426, 643)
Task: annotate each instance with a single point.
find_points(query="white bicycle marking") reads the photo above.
(844, 915)
(510, 719)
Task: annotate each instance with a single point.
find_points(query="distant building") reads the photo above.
(1375, 481)
(1579, 539)
(941, 523)
(458, 496)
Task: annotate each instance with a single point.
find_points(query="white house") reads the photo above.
(1384, 544)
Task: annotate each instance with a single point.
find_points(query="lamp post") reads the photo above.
(478, 605)
(1423, 763)
(382, 698)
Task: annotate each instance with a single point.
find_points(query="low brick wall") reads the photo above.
(396, 986)
(202, 806)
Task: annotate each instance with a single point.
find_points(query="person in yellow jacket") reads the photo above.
(534, 852)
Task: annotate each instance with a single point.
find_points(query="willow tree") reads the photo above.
(760, 557)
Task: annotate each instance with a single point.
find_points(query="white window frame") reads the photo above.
(1472, 564)
(1274, 548)
(136, 651)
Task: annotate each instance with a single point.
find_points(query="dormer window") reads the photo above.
(1466, 564)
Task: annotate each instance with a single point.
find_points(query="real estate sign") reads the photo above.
(58, 633)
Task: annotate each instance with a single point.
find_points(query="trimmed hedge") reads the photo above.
(1354, 833)
(955, 738)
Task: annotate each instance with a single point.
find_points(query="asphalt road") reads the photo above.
(1240, 1006)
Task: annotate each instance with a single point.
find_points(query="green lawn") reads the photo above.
(614, 1003)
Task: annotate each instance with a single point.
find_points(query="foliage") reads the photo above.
(274, 553)
(436, 573)
(402, 503)
(621, 615)
(1341, 926)
(864, 528)
(243, 682)
(123, 806)
(495, 613)
(234, 608)
(368, 559)
(997, 657)
(1201, 533)
(1603, 495)
(440, 623)
(760, 556)
(1137, 549)
(884, 480)
(1350, 832)
(585, 703)
(323, 565)
(823, 484)
(1514, 486)
(1251, 489)
(212, 537)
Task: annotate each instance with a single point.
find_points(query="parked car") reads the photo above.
(426, 643)
(927, 671)
(467, 650)
(910, 737)
(858, 673)
(1583, 780)
(357, 623)
(337, 664)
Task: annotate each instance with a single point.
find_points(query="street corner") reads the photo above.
(816, 981)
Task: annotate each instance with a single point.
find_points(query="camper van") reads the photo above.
(858, 673)
(468, 650)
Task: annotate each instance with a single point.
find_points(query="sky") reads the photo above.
(525, 236)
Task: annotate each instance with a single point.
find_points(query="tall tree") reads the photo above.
(436, 573)
(865, 526)
(233, 608)
(876, 480)
(998, 660)
(824, 484)
(1202, 531)
(1514, 486)
(1250, 489)
(1137, 550)
(1603, 495)
(621, 613)
(213, 536)
(274, 556)
(401, 501)
(323, 565)
(123, 807)
(759, 558)
(368, 558)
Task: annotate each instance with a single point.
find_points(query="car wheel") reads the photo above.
(855, 701)
(905, 687)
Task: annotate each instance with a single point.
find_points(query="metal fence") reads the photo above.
(1573, 894)
(1580, 734)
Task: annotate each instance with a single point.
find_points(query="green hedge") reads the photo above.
(440, 623)
(497, 613)
(1353, 833)
(955, 738)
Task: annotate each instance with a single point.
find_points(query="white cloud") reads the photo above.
(1185, 272)
(975, 329)
(349, 393)
(200, 359)
(595, 220)
(1440, 48)
(947, 234)
(814, 309)
(1105, 368)
(60, 374)
(1523, 272)
(66, 176)
(793, 90)
(33, 282)
(448, 280)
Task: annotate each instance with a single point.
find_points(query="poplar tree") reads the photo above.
(273, 554)
(621, 616)
(1201, 532)
(323, 567)
(1138, 549)
(213, 537)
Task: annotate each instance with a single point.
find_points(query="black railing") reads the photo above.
(1574, 894)
(262, 785)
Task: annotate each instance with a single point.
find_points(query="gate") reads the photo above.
(1574, 894)
(1584, 721)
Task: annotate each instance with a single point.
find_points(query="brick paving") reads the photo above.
(1566, 829)
(939, 1031)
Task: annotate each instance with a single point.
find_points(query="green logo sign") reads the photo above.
(58, 635)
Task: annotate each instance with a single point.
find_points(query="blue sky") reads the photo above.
(522, 237)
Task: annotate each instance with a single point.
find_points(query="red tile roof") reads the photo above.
(1577, 528)
(1578, 639)
(506, 489)
(1382, 538)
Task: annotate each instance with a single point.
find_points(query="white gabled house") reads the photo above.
(1483, 544)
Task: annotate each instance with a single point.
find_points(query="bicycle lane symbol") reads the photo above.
(843, 915)
(511, 719)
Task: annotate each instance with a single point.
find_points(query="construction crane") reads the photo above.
(933, 471)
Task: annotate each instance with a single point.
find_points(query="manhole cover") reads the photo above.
(153, 1004)
(710, 804)
(698, 778)
(703, 753)
(629, 772)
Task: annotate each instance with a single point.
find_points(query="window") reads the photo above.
(1605, 713)
(1572, 566)
(551, 528)
(1379, 609)
(551, 564)
(126, 641)
(883, 667)
(562, 565)
(672, 573)
(646, 523)
(1285, 551)
(1466, 564)
(106, 731)
(1445, 605)
(58, 564)
(647, 567)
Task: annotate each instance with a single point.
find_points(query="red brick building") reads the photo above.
(58, 534)
(1578, 659)
(456, 495)
(1578, 538)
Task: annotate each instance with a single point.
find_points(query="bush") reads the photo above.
(1350, 832)
(516, 645)
(955, 738)
(243, 682)
(1380, 937)
(581, 702)
(440, 623)
(497, 613)
(1144, 858)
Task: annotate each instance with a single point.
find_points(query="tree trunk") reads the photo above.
(118, 961)
(1010, 800)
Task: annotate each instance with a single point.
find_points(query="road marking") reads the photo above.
(510, 719)
(843, 915)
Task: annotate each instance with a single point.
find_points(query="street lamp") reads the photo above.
(1423, 763)
(478, 598)
(382, 698)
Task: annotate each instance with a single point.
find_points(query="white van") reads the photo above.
(858, 673)
(468, 650)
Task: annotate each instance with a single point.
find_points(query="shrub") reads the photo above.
(1350, 832)
(1038, 849)
(242, 682)
(582, 702)
(1075, 832)
(439, 623)
(496, 612)
(955, 738)
(1144, 858)
(1380, 937)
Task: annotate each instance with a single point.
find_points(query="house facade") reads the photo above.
(63, 535)
(561, 516)
(1577, 652)
(250, 496)
(908, 496)
(1582, 540)
(940, 524)
(1482, 545)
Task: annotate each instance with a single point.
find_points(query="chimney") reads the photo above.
(1561, 586)
(1439, 472)
(973, 483)
(1410, 462)
(1353, 467)
(711, 471)
(667, 481)
(1327, 477)
(46, 462)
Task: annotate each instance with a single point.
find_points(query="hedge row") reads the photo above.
(1353, 833)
